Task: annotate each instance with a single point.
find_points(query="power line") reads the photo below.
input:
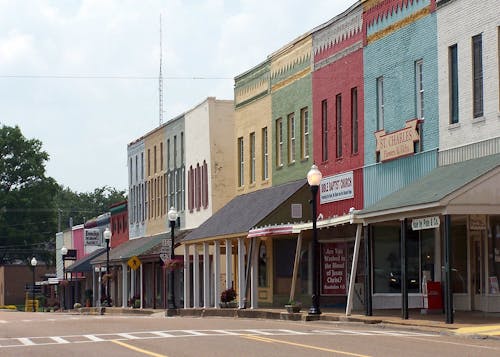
(123, 77)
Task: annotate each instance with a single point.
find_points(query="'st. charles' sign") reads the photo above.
(399, 143)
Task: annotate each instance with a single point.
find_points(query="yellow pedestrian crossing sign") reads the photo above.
(134, 262)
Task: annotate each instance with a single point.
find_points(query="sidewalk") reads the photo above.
(466, 323)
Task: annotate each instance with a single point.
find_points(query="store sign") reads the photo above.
(333, 269)
(418, 224)
(92, 237)
(336, 188)
(399, 143)
(477, 222)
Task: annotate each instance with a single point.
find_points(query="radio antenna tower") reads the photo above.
(160, 78)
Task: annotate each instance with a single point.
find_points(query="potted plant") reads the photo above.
(88, 297)
(174, 264)
(227, 298)
(293, 306)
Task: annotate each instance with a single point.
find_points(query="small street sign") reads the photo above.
(134, 262)
(165, 242)
(164, 249)
(164, 257)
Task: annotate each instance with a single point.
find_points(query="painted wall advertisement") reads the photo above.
(333, 269)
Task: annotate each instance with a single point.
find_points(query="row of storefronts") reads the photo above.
(409, 195)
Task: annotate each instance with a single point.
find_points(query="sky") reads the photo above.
(82, 76)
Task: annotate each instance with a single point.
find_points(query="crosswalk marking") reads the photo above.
(26, 341)
(161, 334)
(94, 338)
(145, 335)
(59, 339)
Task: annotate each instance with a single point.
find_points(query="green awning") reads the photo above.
(466, 187)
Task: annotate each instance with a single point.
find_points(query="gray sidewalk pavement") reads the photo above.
(466, 323)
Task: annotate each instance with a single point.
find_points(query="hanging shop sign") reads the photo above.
(399, 143)
(477, 222)
(418, 224)
(333, 269)
(336, 188)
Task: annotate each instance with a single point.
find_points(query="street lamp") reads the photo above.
(64, 252)
(172, 217)
(314, 179)
(107, 238)
(33, 264)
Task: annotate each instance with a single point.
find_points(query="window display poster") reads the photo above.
(333, 269)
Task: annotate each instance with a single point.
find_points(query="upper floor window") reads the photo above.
(324, 129)
(149, 162)
(142, 166)
(265, 155)
(252, 157)
(477, 72)
(453, 82)
(380, 103)
(168, 154)
(338, 117)
(291, 138)
(419, 89)
(154, 158)
(241, 163)
(161, 156)
(304, 133)
(279, 142)
(354, 120)
(175, 152)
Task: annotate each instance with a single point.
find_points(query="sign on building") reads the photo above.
(425, 223)
(398, 143)
(334, 268)
(336, 188)
(92, 237)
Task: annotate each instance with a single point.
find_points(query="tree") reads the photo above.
(83, 206)
(26, 197)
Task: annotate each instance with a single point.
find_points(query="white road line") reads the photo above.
(3, 322)
(260, 332)
(291, 332)
(59, 339)
(161, 334)
(128, 336)
(194, 332)
(226, 332)
(26, 341)
(94, 338)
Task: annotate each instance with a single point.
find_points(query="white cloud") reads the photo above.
(86, 124)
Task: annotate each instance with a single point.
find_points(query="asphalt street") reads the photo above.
(58, 334)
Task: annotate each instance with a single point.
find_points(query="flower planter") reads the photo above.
(230, 305)
(293, 308)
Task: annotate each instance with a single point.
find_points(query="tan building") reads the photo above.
(253, 129)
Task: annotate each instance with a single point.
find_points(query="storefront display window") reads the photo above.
(387, 258)
(494, 255)
(262, 270)
(459, 255)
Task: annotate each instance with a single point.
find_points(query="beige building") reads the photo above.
(253, 129)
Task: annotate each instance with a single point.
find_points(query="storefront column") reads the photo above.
(368, 271)
(254, 275)
(187, 278)
(229, 254)
(448, 293)
(241, 273)
(206, 275)
(196, 277)
(141, 282)
(217, 291)
(404, 272)
(124, 285)
(132, 282)
(96, 287)
(354, 271)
